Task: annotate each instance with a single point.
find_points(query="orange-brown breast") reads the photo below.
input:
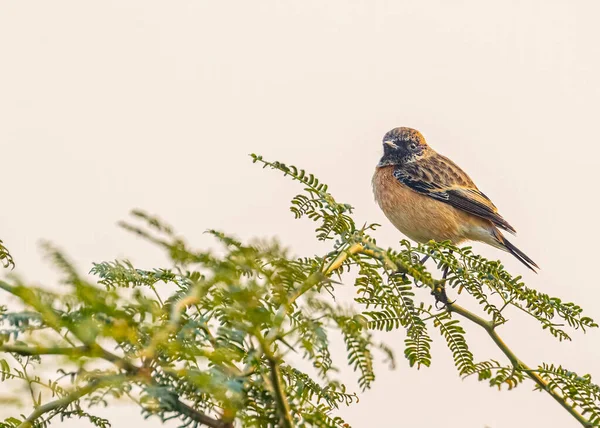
(420, 217)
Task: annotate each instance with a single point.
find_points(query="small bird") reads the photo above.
(428, 197)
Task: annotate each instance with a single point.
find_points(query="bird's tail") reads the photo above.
(520, 255)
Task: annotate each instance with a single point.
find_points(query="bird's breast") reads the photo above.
(418, 216)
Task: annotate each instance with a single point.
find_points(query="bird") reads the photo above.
(427, 197)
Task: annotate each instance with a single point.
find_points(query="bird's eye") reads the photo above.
(412, 146)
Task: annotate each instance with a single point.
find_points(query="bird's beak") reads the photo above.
(391, 144)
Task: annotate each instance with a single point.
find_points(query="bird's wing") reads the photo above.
(440, 178)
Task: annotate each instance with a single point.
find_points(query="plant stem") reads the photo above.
(488, 326)
(201, 417)
(311, 281)
(278, 390)
(97, 351)
(68, 399)
(516, 362)
(282, 403)
(30, 350)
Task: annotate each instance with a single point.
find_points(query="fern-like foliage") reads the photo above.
(497, 374)
(206, 340)
(5, 257)
(580, 390)
(316, 203)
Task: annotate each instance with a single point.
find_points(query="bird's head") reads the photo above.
(403, 145)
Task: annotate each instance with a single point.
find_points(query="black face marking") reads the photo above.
(401, 145)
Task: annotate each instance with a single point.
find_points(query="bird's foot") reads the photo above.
(439, 292)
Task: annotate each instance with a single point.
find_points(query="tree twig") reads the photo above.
(201, 417)
(490, 328)
(282, 402)
(30, 350)
(131, 370)
(68, 399)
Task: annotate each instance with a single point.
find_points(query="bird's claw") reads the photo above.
(439, 292)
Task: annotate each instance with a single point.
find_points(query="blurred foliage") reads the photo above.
(215, 338)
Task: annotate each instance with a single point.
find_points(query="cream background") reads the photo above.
(107, 106)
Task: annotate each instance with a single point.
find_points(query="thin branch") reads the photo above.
(517, 363)
(197, 416)
(184, 408)
(30, 350)
(275, 381)
(282, 403)
(91, 351)
(9, 375)
(97, 351)
(311, 281)
(69, 399)
(28, 380)
(488, 326)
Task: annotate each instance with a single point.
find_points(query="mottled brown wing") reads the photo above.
(440, 178)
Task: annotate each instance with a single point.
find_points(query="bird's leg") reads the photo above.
(439, 292)
(445, 272)
(422, 261)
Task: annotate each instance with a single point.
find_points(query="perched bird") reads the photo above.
(428, 197)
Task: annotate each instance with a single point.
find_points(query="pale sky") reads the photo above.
(120, 104)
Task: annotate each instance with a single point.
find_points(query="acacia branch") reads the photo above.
(30, 350)
(93, 350)
(199, 417)
(69, 399)
(436, 286)
(490, 328)
(283, 407)
(314, 279)
(282, 402)
(131, 371)
(180, 405)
